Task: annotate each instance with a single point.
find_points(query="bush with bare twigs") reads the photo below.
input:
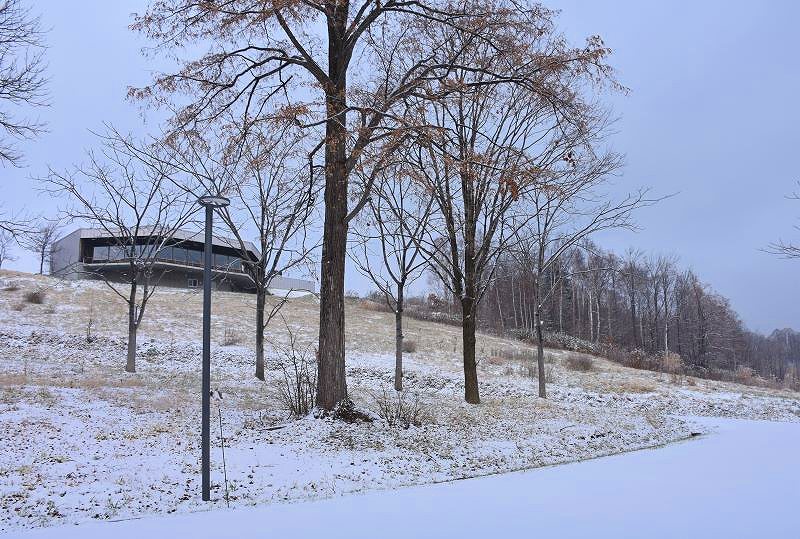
(298, 365)
(34, 296)
(530, 369)
(399, 409)
(409, 345)
(231, 337)
(579, 362)
(744, 375)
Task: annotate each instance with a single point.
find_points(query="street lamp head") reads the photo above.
(213, 201)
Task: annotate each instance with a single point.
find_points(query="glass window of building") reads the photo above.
(116, 252)
(100, 253)
(195, 256)
(179, 255)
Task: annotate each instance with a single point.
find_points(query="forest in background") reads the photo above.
(643, 311)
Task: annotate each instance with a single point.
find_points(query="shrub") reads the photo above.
(35, 296)
(11, 287)
(231, 337)
(744, 375)
(579, 362)
(671, 363)
(528, 369)
(399, 410)
(409, 345)
(298, 389)
(376, 305)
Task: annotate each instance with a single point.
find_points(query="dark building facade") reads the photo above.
(90, 253)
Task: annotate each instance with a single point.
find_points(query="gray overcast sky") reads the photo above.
(712, 115)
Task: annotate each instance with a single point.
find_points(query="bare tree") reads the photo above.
(131, 201)
(787, 249)
(316, 61)
(396, 218)
(273, 192)
(22, 85)
(6, 244)
(40, 241)
(22, 80)
(490, 147)
(568, 211)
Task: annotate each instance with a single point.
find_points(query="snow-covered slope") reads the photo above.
(83, 440)
(737, 482)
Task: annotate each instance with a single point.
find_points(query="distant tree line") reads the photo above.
(636, 302)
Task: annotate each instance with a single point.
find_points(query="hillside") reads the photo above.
(85, 440)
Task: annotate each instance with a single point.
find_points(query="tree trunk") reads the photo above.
(398, 344)
(561, 307)
(540, 357)
(471, 393)
(666, 321)
(331, 382)
(500, 310)
(597, 307)
(261, 297)
(130, 365)
(539, 342)
(633, 314)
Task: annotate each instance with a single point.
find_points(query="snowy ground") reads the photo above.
(82, 440)
(739, 481)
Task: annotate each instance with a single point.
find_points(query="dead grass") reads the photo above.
(35, 296)
(13, 379)
(631, 386)
(374, 306)
(232, 337)
(409, 345)
(579, 362)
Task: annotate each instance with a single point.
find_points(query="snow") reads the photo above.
(738, 481)
(83, 441)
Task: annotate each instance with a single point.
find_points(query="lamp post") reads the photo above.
(210, 203)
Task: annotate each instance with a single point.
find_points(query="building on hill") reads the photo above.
(88, 253)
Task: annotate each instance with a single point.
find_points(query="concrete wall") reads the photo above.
(290, 283)
(65, 256)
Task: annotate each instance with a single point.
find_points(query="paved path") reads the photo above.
(741, 481)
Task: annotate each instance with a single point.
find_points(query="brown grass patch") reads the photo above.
(375, 306)
(34, 296)
(632, 386)
(579, 362)
(13, 379)
(494, 360)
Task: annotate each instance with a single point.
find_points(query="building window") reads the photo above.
(194, 283)
(100, 253)
(195, 256)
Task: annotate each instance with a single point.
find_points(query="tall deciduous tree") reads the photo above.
(273, 194)
(133, 202)
(389, 235)
(6, 243)
(325, 62)
(22, 86)
(567, 211)
(489, 147)
(22, 80)
(40, 239)
(788, 249)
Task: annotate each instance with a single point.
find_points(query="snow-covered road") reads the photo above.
(743, 480)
